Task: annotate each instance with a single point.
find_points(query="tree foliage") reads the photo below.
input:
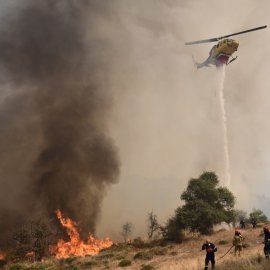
(205, 204)
(258, 216)
(33, 237)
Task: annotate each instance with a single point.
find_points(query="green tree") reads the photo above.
(258, 216)
(205, 204)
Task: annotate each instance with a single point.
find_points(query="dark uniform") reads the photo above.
(254, 223)
(242, 224)
(210, 254)
(266, 242)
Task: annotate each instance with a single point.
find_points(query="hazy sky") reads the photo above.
(166, 120)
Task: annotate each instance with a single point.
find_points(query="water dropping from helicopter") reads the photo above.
(222, 74)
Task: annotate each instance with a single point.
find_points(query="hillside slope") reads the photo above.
(185, 256)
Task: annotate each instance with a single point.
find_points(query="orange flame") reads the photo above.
(76, 247)
(2, 256)
(30, 254)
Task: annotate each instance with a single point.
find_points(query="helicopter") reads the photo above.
(221, 53)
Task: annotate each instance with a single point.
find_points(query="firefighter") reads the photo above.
(238, 242)
(266, 241)
(210, 249)
(242, 224)
(254, 223)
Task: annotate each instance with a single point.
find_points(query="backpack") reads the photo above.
(237, 240)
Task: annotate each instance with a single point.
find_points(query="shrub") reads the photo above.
(147, 267)
(159, 251)
(2, 263)
(173, 231)
(17, 266)
(69, 267)
(89, 264)
(69, 260)
(39, 266)
(138, 243)
(143, 255)
(120, 257)
(122, 247)
(124, 263)
(105, 256)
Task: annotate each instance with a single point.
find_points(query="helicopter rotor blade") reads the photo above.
(243, 32)
(202, 41)
(219, 38)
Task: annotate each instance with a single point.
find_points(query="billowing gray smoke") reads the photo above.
(55, 102)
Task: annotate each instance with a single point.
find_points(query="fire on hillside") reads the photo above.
(76, 246)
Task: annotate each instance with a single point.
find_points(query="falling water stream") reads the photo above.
(222, 71)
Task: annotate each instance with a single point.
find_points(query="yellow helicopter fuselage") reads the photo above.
(225, 47)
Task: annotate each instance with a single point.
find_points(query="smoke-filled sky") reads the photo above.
(167, 121)
(55, 149)
(89, 85)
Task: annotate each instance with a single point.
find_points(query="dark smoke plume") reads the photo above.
(55, 102)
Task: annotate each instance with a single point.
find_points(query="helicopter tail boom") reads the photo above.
(203, 64)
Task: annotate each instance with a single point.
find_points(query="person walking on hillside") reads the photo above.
(266, 242)
(210, 249)
(253, 223)
(242, 224)
(238, 242)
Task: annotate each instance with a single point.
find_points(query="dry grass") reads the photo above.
(185, 256)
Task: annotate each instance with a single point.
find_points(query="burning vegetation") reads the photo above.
(38, 241)
(76, 246)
